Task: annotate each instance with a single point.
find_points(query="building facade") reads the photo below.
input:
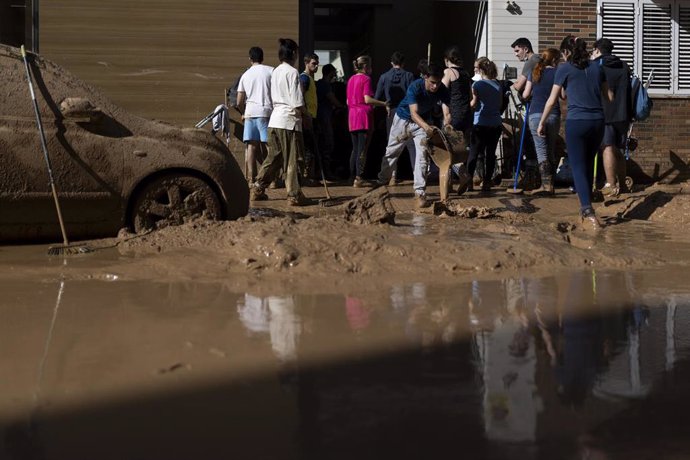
(648, 34)
(173, 60)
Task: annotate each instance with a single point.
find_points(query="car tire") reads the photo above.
(173, 199)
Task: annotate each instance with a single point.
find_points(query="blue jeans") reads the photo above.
(545, 146)
(583, 139)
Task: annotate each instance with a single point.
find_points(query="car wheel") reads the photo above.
(173, 199)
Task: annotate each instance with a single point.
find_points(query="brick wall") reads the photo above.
(664, 139)
(558, 18)
(664, 143)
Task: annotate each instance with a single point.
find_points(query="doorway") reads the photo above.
(17, 20)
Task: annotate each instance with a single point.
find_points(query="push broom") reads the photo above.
(65, 248)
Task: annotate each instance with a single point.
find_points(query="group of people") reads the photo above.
(291, 114)
(596, 85)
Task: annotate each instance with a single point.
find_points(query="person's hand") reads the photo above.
(429, 130)
(541, 131)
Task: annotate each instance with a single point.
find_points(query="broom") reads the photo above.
(65, 248)
(328, 201)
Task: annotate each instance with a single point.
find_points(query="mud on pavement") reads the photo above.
(317, 248)
(473, 241)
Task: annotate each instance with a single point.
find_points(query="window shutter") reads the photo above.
(684, 47)
(657, 36)
(618, 25)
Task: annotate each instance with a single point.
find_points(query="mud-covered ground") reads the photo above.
(317, 247)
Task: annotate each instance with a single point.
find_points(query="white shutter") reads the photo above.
(683, 84)
(618, 25)
(657, 39)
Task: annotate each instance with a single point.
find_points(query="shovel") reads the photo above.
(515, 190)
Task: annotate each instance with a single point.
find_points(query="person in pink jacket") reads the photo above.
(360, 103)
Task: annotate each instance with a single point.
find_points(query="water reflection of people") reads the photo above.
(358, 314)
(277, 317)
(575, 339)
(507, 361)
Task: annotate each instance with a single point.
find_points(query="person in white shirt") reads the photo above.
(285, 141)
(254, 103)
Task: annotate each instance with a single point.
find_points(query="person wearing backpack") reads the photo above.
(392, 88)
(617, 115)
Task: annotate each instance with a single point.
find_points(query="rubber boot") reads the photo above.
(546, 187)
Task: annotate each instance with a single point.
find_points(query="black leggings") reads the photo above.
(358, 157)
(483, 142)
(582, 140)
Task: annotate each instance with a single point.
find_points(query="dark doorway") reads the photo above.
(339, 31)
(340, 34)
(17, 20)
(454, 24)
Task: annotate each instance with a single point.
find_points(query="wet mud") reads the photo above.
(503, 331)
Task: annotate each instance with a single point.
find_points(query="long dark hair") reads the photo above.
(452, 53)
(577, 49)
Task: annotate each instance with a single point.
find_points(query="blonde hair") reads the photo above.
(361, 63)
(487, 67)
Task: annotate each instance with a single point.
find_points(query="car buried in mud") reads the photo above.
(112, 169)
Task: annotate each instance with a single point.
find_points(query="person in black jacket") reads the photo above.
(617, 114)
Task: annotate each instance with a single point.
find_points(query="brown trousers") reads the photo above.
(286, 151)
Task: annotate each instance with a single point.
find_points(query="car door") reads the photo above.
(86, 165)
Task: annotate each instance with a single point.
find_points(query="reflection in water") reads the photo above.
(525, 367)
(275, 316)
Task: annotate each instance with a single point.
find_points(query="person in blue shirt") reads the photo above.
(486, 129)
(412, 120)
(538, 87)
(584, 86)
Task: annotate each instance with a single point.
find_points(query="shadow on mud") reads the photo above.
(644, 209)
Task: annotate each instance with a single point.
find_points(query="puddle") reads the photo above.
(563, 366)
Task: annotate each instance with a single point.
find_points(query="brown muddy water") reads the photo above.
(579, 363)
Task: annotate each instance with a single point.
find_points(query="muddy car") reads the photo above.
(112, 169)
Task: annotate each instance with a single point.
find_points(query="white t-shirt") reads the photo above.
(256, 84)
(286, 95)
